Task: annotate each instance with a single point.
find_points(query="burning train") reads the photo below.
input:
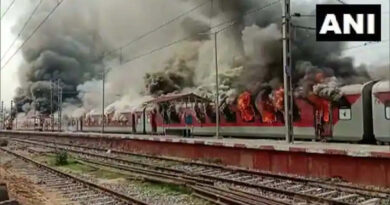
(359, 113)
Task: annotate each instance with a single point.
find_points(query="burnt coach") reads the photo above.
(360, 114)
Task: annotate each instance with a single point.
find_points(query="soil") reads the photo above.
(22, 189)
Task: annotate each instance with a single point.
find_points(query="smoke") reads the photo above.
(66, 48)
(69, 47)
(256, 44)
(178, 73)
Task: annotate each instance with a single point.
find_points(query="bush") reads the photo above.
(61, 158)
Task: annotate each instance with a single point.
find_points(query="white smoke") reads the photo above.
(249, 53)
(329, 89)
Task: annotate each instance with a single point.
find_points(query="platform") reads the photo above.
(362, 164)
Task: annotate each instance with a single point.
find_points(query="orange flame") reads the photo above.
(266, 107)
(267, 112)
(245, 107)
(279, 99)
(322, 105)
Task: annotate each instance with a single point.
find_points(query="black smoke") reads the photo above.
(265, 64)
(176, 75)
(66, 49)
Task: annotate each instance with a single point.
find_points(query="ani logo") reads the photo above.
(356, 22)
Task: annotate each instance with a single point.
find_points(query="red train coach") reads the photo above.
(360, 114)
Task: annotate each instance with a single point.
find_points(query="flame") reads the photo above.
(245, 107)
(279, 99)
(267, 112)
(266, 107)
(321, 105)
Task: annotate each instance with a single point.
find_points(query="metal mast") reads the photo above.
(287, 71)
(2, 115)
(51, 106)
(59, 105)
(10, 115)
(103, 93)
(216, 86)
(2, 111)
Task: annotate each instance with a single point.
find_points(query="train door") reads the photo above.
(133, 120)
(143, 116)
(81, 124)
(153, 121)
(323, 121)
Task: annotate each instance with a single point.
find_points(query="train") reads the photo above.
(360, 115)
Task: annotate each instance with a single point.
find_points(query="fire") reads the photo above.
(267, 105)
(245, 107)
(321, 105)
(267, 112)
(279, 99)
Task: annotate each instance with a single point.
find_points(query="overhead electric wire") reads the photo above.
(255, 10)
(365, 44)
(8, 8)
(341, 1)
(21, 31)
(229, 23)
(157, 28)
(304, 27)
(32, 34)
(232, 21)
(184, 14)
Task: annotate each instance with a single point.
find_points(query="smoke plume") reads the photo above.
(69, 47)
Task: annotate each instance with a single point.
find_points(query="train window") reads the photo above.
(387, 111)
(345, 114)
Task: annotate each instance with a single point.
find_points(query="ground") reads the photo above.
(151, 192)
(22, 189)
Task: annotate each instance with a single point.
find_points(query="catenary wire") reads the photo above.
(8, 8)
(32, 34)
(21, 31)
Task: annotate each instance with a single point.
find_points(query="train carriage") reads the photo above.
(348, 114)
(360, 114)
(381, 111)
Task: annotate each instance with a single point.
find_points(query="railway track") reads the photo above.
(213, 180)
(220, 196)
(73, 190)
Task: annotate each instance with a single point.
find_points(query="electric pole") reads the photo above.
(1, 76)
(59, 105)
(287, 71)
(3, 114)
(2, 111)
(2, 119)
(104, 79)
(51, 106)
(216, 86)
(10, 114)
(103, 95)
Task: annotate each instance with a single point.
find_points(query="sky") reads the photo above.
(373, 55)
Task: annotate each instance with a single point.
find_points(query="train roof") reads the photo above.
(381, 86)
(352, 89)
(189, 97)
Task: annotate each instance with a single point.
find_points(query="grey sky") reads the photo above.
(374, 55)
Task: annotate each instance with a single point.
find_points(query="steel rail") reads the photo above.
(197, 184)
(324, 184)
(120, 196)
(204, 176)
